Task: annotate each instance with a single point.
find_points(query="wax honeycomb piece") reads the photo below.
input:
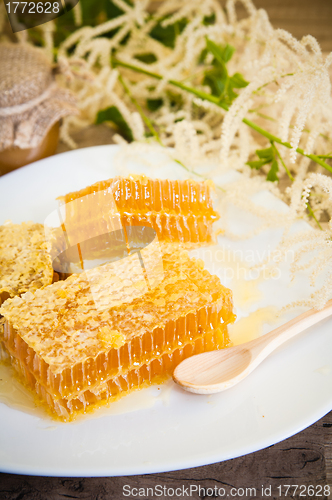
(78, 352)
(25, 264)
(179, 211)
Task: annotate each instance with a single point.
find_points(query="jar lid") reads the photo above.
(30, 99)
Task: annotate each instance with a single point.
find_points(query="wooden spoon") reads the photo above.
(216, 371)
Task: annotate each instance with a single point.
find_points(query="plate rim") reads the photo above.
(140, 469)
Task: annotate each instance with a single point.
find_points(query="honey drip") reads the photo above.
(251, 327)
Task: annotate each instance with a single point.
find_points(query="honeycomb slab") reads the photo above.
(179, 211)
(25, 264)
(88, 340)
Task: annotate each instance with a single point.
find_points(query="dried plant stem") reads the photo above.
(150, 126)
(215, 100)
(274, 138)
(145, 118)
(312, 213)
(192, 90)
(282, 161)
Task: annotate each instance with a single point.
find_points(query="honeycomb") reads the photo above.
(93, 338)
(25, 264)
(179, 211)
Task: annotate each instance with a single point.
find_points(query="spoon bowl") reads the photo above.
(206, 373)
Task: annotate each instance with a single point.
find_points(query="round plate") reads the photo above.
(156, 429)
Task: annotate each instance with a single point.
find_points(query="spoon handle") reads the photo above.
(260, 348)
(216, 371)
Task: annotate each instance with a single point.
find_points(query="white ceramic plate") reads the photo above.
(288, 392)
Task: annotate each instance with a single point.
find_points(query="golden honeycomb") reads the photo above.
(179, 211)
(25, 264)
(85, 341)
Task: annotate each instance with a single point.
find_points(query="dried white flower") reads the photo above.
(289, 94)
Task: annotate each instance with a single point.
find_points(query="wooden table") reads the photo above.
(304, 459)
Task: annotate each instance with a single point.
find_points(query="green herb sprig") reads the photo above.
(270, 156)
(217, 78)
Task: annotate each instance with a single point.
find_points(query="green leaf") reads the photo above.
(257, 164)
(167, 35)
(231, 94)
(202, 56)
(216, 51)
(237, 81)
(148, 58)
(175, 100)
(112, 10)
(154, 104)
(93, 13)
(216, 81)
(217, 78)
(222, 54)
(112, 114)
(272, 174)
(209, 19)
(267, 154)
(228, 52)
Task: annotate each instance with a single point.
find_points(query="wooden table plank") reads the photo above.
(299, 460)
